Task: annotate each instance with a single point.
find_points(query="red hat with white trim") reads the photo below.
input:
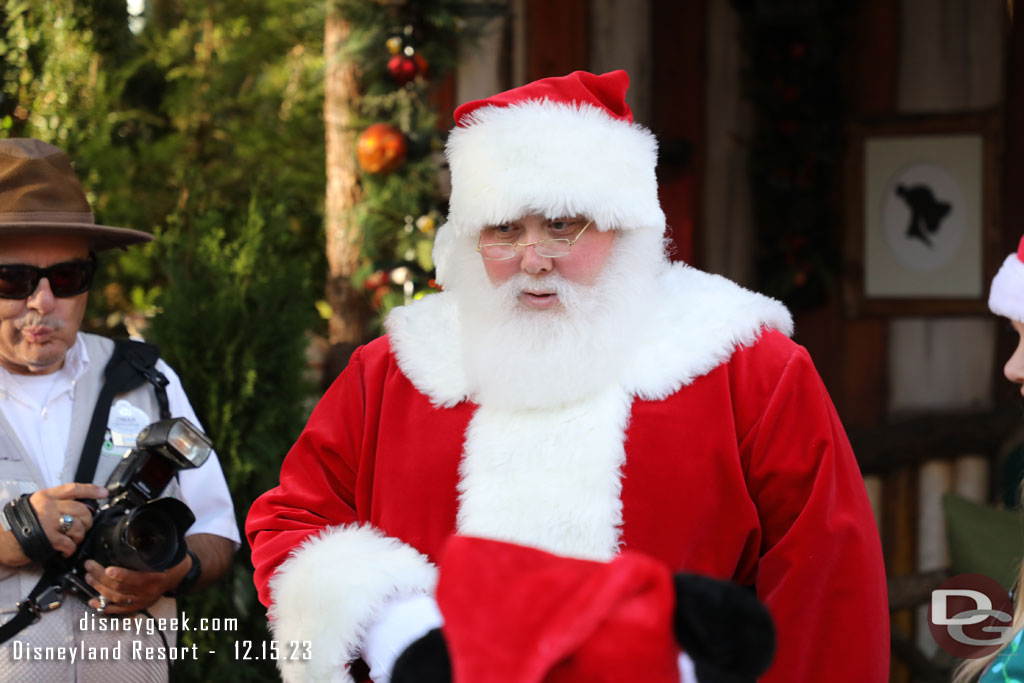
(514, 614)
(1006, 298)
(560, 146)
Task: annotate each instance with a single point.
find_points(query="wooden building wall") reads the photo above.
(904, 56)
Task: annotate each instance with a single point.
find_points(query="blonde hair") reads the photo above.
(971, 669)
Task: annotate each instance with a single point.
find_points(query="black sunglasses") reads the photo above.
(70, 278)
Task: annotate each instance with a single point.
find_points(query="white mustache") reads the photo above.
(553, 283)
(35, 319)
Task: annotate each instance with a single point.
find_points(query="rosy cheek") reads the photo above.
(579, 271)
(586, 268)
(500, 271)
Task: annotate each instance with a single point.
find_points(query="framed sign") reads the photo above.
(921, 197)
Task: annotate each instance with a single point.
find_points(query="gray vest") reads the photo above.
(118, 655)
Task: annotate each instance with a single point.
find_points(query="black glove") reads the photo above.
(425, 661)
(724, 629)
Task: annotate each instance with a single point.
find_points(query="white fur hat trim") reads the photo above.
(1006, 298)
(554, 159)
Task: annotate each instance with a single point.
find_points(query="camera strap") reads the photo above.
(132, 364)
(45, 596)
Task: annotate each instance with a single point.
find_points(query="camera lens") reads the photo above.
(153, 536)
(148, 538)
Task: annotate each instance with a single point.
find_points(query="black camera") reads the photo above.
(135, 528)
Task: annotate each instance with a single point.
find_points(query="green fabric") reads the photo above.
(984, 539)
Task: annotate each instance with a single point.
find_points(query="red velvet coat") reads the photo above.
(744, 472)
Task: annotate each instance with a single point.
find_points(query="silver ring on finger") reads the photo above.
(103, 603)
(66, 521)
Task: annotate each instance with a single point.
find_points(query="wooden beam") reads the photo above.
(872, 82)
(558, 34)
(915, 589)
(872, 73)
(910, 442)
(853, 353)
(1013, 168)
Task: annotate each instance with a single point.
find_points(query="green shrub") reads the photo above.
(229, 325)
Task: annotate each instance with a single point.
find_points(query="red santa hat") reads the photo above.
(557, 147)
(518, 615)
(1006, 298)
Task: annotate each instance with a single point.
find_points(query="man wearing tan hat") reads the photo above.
(51, 378)
(570, 391)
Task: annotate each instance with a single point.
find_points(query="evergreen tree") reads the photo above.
(204, 126)
(386, 62)
(203, 122)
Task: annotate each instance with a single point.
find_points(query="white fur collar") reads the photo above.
(703, 320)
(548, 478)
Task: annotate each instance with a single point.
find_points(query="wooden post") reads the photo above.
(679, 103)
(350, 309)
(899, 544)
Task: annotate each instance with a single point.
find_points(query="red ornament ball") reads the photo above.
(380, 148)
(403, 69)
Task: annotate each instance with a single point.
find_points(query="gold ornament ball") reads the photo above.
(426, 224)
(380, 148)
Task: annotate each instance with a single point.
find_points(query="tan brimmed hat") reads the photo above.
(40, 195)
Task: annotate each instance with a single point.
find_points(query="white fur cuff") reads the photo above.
(331, 589)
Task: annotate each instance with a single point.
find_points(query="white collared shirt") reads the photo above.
(38, 408)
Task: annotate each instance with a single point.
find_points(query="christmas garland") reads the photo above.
(403, 52)
(794, 81)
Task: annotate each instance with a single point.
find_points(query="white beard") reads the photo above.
(520, 358)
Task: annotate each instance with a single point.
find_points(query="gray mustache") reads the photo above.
(35, 319)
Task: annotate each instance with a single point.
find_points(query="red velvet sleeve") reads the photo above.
(320, 470)
(821, 572)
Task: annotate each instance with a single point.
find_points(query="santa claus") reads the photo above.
(574, 392)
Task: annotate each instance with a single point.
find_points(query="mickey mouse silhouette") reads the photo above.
(926, 212)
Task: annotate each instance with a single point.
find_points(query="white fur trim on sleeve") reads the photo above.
(1006, 298)
(329, 591)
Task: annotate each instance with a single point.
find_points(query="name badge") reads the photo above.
(123, 426)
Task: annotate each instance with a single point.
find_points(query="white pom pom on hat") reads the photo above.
(1006, 298)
